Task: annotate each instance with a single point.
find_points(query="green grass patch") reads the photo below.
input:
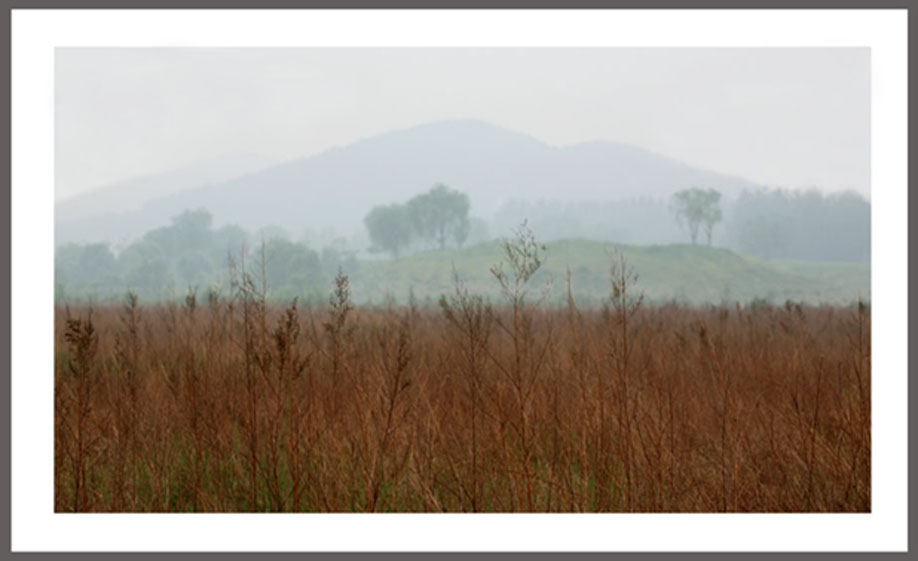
(685, 274)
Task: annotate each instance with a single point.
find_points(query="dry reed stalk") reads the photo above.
(83, 340)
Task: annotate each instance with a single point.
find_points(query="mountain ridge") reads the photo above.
(337, 187)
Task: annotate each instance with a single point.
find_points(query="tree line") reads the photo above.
(807, 226)
(190, 252)
(769, 224)
(765, 223)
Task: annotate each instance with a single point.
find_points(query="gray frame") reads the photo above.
(5, 236)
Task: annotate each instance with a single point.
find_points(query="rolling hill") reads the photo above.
(685, 273)
(114, 212)
(336, 189)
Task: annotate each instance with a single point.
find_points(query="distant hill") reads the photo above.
(111, 212)
(336, 189)
(685, 273)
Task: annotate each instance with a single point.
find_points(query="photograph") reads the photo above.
(462, 280)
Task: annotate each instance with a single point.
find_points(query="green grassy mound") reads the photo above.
(684, 273)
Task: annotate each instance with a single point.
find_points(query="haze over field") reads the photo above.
(335, 189)
(302, 145)
(462, 280)
(792, 118)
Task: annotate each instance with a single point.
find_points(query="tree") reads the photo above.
(291, 268)
(229, 239)
(698, 209)
(192, 229)
(189, 230)
(144, 266)
(441, 214)
(96, 264)
(766, 235)
(389, 227)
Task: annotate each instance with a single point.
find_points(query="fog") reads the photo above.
(775, 116)
(332, 156)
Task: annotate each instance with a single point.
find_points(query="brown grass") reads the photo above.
(235, 405)
(470, 408)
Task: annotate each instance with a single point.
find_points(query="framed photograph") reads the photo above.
(459, 280)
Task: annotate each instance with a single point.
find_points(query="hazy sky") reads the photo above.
(780, 117)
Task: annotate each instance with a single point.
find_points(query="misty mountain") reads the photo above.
(337, 188)
(95, 215)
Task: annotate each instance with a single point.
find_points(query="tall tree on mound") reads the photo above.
(698, 209)
(440, 214)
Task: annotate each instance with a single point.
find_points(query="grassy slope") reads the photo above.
(690, 274)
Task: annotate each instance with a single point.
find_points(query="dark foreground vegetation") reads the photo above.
(226, 403)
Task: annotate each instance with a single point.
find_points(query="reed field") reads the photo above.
(234, 403)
